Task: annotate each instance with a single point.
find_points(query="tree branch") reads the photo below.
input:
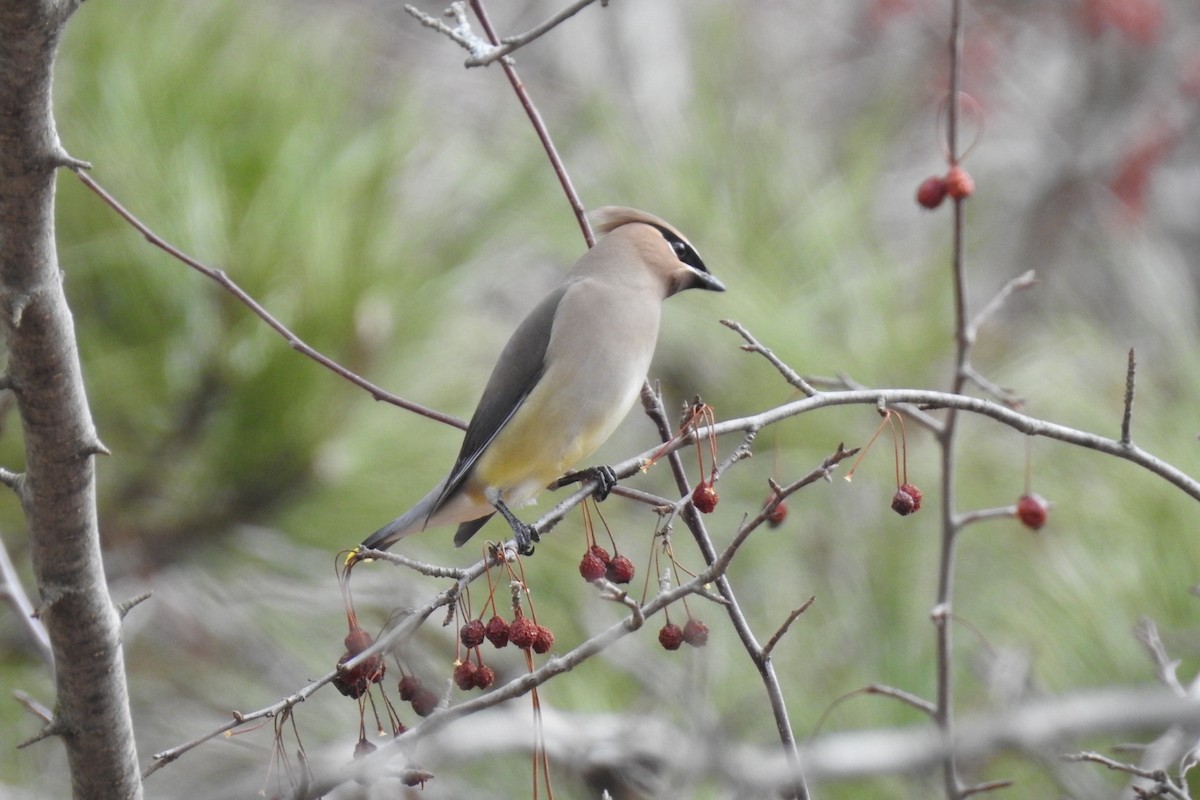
(59, 487)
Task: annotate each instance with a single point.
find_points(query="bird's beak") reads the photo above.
(705, 280)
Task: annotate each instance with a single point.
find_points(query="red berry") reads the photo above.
(424, 702)
(364, 748)
(358, 640)
(704, 497)
(695, 632)
(778, 514)
(497, 631)
(473, 633)
(523, 632)
(620, 570)
(670, 636)
(600, 553)
(591, 567)
(959, 183)
(409, 686)
(903, 503)
(931, 192)
(485, 676)
(914, 493)
(1032, 510)
(544, 640)
(464, 675)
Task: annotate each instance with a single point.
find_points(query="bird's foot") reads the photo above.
(604, 476)
(524, 533)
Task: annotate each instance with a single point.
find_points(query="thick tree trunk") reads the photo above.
(57, 489)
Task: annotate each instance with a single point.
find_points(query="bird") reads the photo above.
(564, 381)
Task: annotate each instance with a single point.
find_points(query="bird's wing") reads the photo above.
(517, 371)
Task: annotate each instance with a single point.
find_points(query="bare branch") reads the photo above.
(539, 126)
(908, 698)
(461, 34)
(227, 283)
(787, 623)
(1023, 281)
(511, 43)
(1146, 632)
(754, 346)
(33, 706)
(985, 514)
(1160, 777)
(13, 593)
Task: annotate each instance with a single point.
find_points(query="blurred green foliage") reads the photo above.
(396, 213)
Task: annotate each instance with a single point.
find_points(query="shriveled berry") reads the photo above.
(914, 493)
(620, 570)
(1032, 510)
(409, 686)
(670, 636)
(364, 748)
(523, 632)
(355, 681)
(903, 503)
(497, 631)
(424, 702)
(415, 777)
(464, 675)
(591, 567)
(544, 640)
(695, 632)
(350, 682)
(931, 192)
(704, 497)
(473, 633)
(776, 515)
(485, 676)
(600, 553)
(959, 183)
(358, 640)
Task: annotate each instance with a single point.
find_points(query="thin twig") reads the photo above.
(754, 346)
(539, 125)
(13, 593)
(1160, 777)
(981, 788)
(1023, 281)
(227, 283)
(652, 404)
(908, 698)
(510, 43)
(33, 706)
(985, 514)
(787, 623)
(1127, 417)
(943, 649)
(1146, 632)
(461, 34)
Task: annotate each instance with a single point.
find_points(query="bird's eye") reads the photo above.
(683, 251)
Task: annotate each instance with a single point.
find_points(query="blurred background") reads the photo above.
(396, 211)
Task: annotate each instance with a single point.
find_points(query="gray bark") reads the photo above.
(57, 490)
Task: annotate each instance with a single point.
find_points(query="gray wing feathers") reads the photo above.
(517, 371)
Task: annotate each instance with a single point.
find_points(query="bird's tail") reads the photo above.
(411, 521)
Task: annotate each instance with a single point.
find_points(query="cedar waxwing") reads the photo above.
(566, 378)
